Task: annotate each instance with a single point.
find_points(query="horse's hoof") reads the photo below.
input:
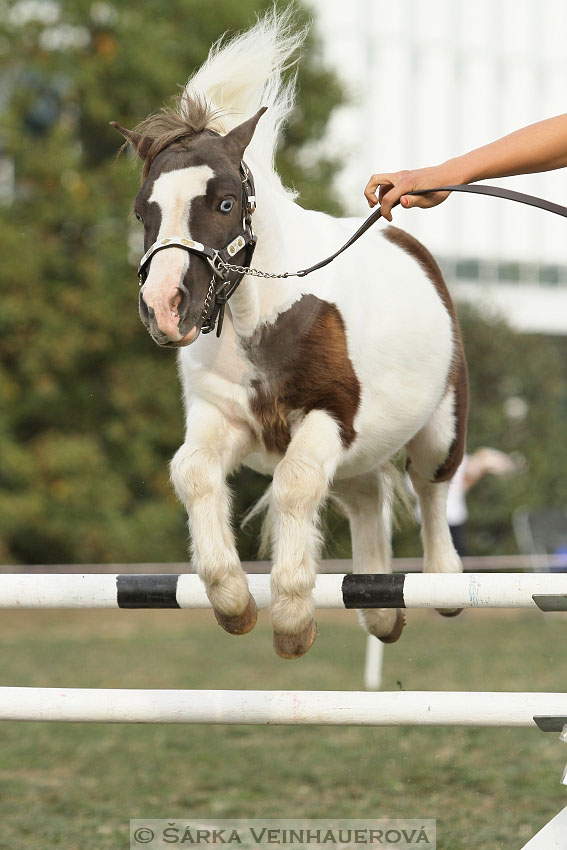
(396, 632)
(239, 624)
(449, 612)
(297, 644)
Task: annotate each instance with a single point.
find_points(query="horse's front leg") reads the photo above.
(213, 447)
(300, 485)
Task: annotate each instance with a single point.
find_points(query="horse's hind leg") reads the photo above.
(366, 502)
(300, 485)
(434, 455)
(213, 447)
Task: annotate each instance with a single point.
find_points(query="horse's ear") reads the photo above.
(141, 144)
(239, 138)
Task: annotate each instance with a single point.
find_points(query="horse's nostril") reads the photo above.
(143, 307)
(182, 302)
(175, 301)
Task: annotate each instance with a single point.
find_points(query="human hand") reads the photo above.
(395, 186)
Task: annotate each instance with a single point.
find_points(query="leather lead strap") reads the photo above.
(372, 218)
(474, 188)
(499, 192)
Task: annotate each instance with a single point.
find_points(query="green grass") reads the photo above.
(75, 787)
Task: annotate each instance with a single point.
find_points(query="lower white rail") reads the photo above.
(327, 708)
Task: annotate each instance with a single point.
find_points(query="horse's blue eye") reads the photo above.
(226, 205)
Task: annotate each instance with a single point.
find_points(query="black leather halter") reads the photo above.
(222, 285)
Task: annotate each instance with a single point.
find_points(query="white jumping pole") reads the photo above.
(432, 590)
(288, 708)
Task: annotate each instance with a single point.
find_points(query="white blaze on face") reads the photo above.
(174, 191)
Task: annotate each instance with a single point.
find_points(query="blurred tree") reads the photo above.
(90, 408)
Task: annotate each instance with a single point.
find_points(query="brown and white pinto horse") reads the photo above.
(317, 381)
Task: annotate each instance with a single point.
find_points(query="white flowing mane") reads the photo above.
(245, 73)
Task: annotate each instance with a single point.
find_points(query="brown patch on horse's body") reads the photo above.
(458, 374)
(459, 380)
(303, 364)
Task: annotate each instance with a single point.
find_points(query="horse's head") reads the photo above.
(191, 202)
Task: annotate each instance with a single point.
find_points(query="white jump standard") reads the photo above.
(547, 591)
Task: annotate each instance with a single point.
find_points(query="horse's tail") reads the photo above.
(246, 72)
(264, 503)
(399, 494)
(398, 502)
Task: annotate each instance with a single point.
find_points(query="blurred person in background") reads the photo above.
(473, 468)
(484, 461)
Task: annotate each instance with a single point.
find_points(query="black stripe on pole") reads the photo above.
(147, 591)
(373, 590)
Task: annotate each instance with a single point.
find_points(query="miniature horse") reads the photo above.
(318, 381)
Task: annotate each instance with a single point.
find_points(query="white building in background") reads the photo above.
(430, 79)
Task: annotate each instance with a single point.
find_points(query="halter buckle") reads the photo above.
(215, 264)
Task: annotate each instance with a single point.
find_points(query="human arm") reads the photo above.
(487, 461)
(537, 147)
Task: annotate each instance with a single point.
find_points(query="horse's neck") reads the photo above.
(245, 307)
(276, 224)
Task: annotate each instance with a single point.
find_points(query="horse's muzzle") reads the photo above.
(169, 325)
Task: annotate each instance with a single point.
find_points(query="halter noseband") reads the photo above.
(221, 286)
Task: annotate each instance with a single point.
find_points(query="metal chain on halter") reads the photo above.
(231, 267)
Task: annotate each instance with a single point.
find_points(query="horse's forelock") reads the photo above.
(188, 118)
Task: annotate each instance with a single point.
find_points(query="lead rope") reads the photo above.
(475, 188)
